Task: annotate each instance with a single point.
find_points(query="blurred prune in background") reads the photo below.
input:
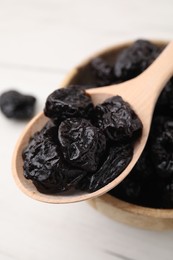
(16, 105)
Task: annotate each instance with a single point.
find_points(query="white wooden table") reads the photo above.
(40, 41)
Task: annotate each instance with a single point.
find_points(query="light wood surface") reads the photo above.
(40, 41)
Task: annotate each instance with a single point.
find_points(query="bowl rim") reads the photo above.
(75, 70)
(107, 198)
(136, 209)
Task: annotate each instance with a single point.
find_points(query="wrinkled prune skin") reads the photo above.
(16, 105)
(102, 71)
(117, 160)
(153, 171)
(146, 185)
(82, 143)
(135, 59)
(44, 165)
(140, 186)
(67, 103)
(117, 120)
(162, 150)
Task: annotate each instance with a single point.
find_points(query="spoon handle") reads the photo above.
(159, 72)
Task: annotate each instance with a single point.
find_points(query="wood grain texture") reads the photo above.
(55, 35)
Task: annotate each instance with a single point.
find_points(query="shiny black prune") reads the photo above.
(143, 186)
(44, 164)
(117, 120)
(135, 59)
(167, 195)
(136, 190)
(162, 150)
(132, 188)
(157, 125)
(145, 176)
(82, 143)
(143, 169)
(164, 104)
(128, 190)
(16, 105)
(102, 71)
(116, 161)
(66, 103)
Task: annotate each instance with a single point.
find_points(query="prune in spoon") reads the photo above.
(82, 143)
(66, 103)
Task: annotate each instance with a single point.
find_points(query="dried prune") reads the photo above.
(16, 105)
(44, 164)
(140, 191)
(162, 150)
(148, 184)
(66, 103)
(135, 59)
(128, 190)
(82, 144)
(157, 125)
(117, 160)
(145, 177)
(167, 195)
(117, 120)
(132, 188)
(164, 104)
(143, 169)
(102, 71)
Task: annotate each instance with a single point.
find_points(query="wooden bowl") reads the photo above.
(116, 209)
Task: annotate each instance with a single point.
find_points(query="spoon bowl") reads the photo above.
(132, 91)
(36, 124)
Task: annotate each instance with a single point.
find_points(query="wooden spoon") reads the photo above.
(141, 92)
